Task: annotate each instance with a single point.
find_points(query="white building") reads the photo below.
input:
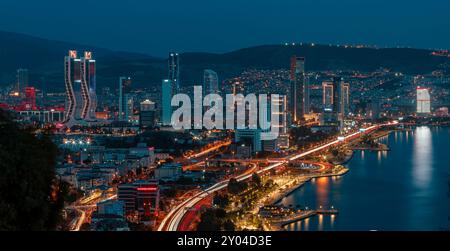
(423, 101)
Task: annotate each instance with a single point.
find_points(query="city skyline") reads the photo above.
(291, 136)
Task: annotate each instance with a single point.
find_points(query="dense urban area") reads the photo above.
(115, 162)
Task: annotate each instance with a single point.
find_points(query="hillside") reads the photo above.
(44, 59)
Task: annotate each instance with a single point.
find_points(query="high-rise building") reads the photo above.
(30, 98)
(166, 99)
(126, 102)
(174, 71)
(307, 88)
(336, 100)
(249, 137)
(282, 127)
(147, 113)
(337, 94)
(210, 82)
(297, 89)
(141, 196)
(374, 109)
(88, 82)
(345, 99)
(22, 79)
(423, 101)
(281, 103)
(79, 77)
(327, 96)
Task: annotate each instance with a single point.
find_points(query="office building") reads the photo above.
(174, 71)
(210, 82)
(22, 80)
(166, 99)
(111, 207)
(327, 96)
(126, 102)
(171, 171)
(140, 196)
(335, 101)
(307, 94)
(147, 112)
(249, 137)
(345, 99)
(297, 88)
(30, 98)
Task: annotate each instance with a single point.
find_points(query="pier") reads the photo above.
(279, 221)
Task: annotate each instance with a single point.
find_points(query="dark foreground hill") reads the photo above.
(44, 59)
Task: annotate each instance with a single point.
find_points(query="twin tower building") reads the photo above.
(80, 83)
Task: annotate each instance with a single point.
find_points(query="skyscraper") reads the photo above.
(297, 89)
(174, 71)
(30, 98)
(307, 105)
(88, 83)
(210, 82)
(22, 79)
(337, 92)
(345, 99)
(147, 114)
(336, 100)
(166, 99)
(125, 99)
(79, 78)
(423, 101)
(327, 96)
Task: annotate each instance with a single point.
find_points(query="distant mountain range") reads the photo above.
(44, 59)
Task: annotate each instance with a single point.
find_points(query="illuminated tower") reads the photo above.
(327, 96)
(297, 89)
(72, 79)
(210, 82)
(345, 110)
(336, 100)
(79, 78)
(88, 83)
(174, 71)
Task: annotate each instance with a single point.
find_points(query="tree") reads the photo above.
(215, 220)
(256, 179)
(209, 221)
(235, 187)
(31, 197)
(221, 200)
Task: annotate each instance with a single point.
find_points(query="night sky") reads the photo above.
(156, 27)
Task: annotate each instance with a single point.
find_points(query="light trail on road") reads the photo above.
(175, 216)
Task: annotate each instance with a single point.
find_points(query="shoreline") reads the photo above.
(286, 193)
(354, 146)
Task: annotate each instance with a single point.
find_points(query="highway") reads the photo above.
(81, 209)
(175, 216)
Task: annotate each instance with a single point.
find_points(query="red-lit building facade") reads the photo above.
(141, 196)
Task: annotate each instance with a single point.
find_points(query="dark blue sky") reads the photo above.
(155, 27)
